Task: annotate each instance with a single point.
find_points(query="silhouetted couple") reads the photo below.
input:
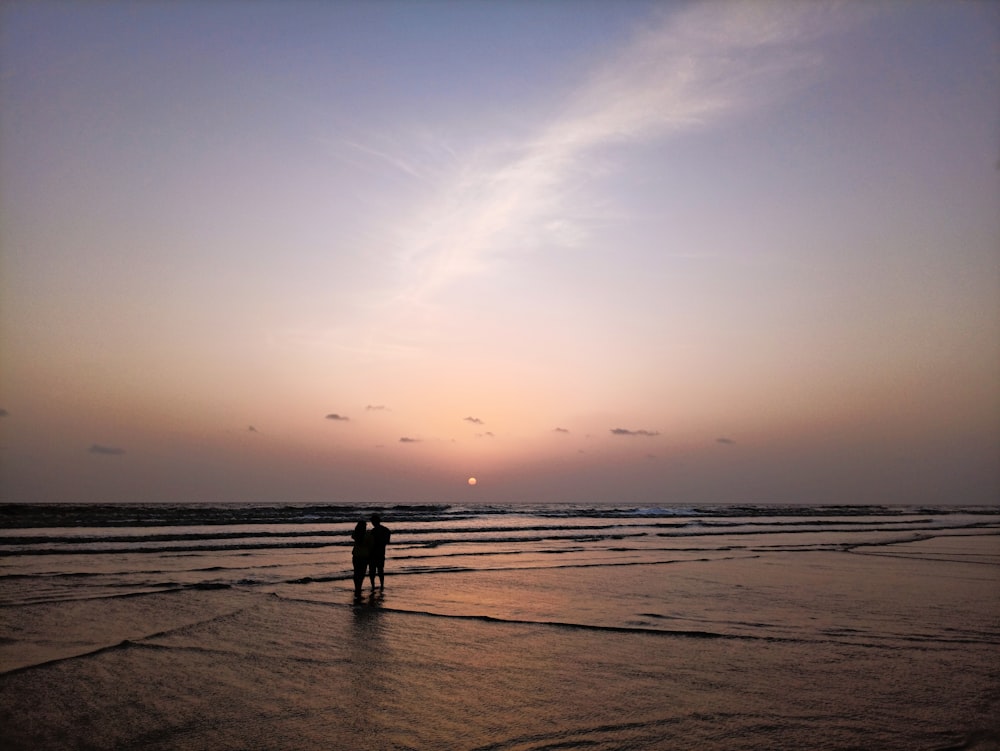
(368, 553)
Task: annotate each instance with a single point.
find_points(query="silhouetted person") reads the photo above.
(360, 554)
(376, 563)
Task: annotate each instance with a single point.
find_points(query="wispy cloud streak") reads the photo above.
(401, 164)
(686, 70)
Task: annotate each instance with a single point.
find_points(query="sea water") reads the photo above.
(552, 626)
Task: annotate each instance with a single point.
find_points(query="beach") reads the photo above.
(505, 628)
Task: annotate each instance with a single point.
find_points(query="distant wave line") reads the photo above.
(93, 546)
(76, 545)
(35, 516)
(344, 533)
(172, 549)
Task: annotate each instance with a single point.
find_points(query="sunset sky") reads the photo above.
(642, 252)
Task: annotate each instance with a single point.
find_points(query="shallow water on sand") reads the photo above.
(718, 641)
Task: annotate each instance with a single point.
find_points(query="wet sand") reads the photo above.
(891, 650)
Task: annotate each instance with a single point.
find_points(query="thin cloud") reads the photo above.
(473, 420)
(400, 164)
(561, 430)
(375, 408)
(3, 412)
(725, 441)
(252, 429)
(626, 431)
(487, 434)
(96, 448)
(685, 70)
(405, 439)
(335, 416)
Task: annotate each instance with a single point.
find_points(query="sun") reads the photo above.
(473, 481)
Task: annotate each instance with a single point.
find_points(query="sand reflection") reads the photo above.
(371, 660)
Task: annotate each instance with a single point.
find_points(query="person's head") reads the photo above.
(360, 527)
(376, 519)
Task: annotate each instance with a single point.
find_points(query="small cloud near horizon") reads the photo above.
(335, 416)
(625, 431)
(96, 448)
(725, 441)
(560, 430)
(251, 429)
(473, 420)
(404, 439)
(3, 412)
(487, 434)
(375, 408)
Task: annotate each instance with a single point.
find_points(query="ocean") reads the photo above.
(500, 628)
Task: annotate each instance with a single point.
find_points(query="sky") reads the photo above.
(638, 252)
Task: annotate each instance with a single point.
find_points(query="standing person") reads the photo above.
(360, 554)
(380, 538)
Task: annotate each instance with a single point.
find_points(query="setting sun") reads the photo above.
(472, 481)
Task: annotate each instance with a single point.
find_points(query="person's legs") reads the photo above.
(377, 566)
(360, 565)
